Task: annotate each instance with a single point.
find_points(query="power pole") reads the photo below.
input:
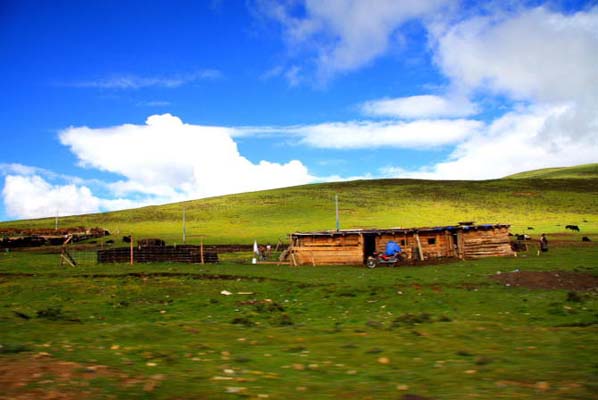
(184, 226)
(338, 223)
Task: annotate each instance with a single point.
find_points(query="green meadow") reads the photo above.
(234, 330)
(173, 331)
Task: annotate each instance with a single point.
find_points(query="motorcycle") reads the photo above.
(382, 259)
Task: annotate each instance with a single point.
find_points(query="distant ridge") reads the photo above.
(577, 172)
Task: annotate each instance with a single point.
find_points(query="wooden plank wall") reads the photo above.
(348, 249)
(487, 243)
(327, 250)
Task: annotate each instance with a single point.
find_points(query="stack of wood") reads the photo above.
(186, 254)
(486, 244)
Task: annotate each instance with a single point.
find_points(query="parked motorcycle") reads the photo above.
(382, 259)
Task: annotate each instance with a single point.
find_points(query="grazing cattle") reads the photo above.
(572, 227)
(523, 237)
(110, 241)
(531, 228)
(127, 239)
(518, 246)
(586, 239)
(152, 243)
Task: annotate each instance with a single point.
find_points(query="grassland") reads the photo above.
(165, 331)
(545, 204)
(584, 171)
(237, 330)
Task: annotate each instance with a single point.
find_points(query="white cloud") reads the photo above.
(535, 55)
(173, 160)
(20, 169)
(425, 106)
(162, 161)
(345, 34)
(132, 81)
(545, 58)
(513, 143)
(397, 134)
(33, 197)
(27, 170)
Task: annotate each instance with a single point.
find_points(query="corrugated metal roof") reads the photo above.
(381, 231)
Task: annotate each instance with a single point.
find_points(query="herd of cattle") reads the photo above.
(574, 228)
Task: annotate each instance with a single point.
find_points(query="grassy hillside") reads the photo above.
(547, 205)
(578, 172)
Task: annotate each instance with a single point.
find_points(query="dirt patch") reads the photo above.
(40, 376)
(548, 280)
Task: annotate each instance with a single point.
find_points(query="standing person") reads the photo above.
(262, 252)
(268, 250)
(543, 244)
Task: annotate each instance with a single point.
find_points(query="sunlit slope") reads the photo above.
(586, 171)
(547, 205)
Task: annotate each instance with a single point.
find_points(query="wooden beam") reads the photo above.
(67, 257)
(420, 252)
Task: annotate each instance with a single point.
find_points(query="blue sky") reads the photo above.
(117, 104)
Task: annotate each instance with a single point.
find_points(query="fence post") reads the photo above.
(201, 251)
(132, 258)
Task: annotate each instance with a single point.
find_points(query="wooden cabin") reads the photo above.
(354, 246)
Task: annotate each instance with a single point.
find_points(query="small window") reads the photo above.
(431, 240)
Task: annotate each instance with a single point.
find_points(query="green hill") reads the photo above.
(547, 205)
(578, 172)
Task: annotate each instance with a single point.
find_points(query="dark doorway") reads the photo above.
(455, 237)
(369, 245)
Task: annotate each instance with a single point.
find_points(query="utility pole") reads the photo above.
(184, 226)
(338, 223)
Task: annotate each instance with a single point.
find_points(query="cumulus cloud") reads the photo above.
(33, 197)
(538, 63)
(543, 58)
(511, 144)
(545, 61)
(345, 35)
(32, 192)
(424, 106)
(168, 158)
(535, 54)
(164, 160)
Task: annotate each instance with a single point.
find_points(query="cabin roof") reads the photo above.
(399, 230)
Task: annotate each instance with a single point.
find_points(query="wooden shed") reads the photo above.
(354, 246)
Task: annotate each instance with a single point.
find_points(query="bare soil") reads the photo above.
(549, 280)
(41, 377)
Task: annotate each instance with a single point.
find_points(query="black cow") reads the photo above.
(586, 239)
(572, 227)
(531, 228)
(127, 239)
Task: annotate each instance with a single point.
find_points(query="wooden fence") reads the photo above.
(183, 254)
